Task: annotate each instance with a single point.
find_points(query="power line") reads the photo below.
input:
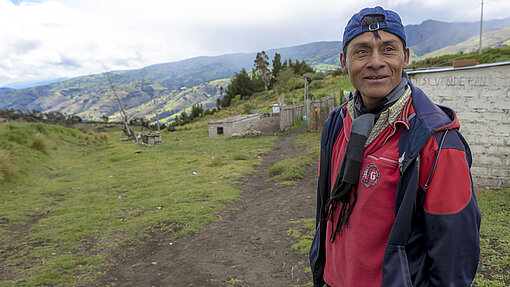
(470, 10)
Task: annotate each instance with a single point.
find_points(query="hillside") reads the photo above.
(168, 88)
(493, 39)
(436, 35)
(165, 88)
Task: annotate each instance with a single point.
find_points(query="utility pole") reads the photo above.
(420, 46)
(481, 21)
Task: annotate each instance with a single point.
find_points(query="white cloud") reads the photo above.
(66, 38)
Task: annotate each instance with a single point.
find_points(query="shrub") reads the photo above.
(317, 84)
(295, 83)
(318, 76)
(248, 107)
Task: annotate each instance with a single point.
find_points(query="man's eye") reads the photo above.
(389, 49)
(362, 51)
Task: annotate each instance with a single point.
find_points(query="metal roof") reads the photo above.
(445, 69)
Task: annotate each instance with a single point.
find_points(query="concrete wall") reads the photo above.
(231, 127)
(481, 98)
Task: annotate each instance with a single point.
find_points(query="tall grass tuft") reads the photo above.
(6, 168)
(41, 143)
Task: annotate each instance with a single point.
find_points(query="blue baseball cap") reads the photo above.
(391, 24)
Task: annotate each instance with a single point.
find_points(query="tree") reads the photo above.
(196, 111)
(241, 84)
(301, 68)
(283, 77)
(261, 71)
(218, 100)
(277, 67)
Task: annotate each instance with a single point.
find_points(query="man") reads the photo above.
(395, 202)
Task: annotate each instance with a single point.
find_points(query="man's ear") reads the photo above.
(406, 58)
(342, 63)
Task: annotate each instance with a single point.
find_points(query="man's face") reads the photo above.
(374, 64)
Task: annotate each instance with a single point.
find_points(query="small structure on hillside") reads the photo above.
(151, 139)
(235, 125)
(275, 108)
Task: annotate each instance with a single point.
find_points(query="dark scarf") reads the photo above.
(348, 174)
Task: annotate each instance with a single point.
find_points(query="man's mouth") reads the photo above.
(375, 77)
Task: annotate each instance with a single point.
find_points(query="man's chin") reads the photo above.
(378, 94)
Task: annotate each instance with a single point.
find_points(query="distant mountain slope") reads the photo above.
(491, 39)
(436, 35)
(5, 89)
(166, 88)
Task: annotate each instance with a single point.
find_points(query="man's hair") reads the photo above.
(374, 19)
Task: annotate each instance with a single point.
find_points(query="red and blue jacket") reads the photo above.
(434, 239)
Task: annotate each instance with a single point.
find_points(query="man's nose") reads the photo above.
(376, 60)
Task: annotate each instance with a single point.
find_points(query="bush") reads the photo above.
(318, 76)
(308, 76)
(295, 83)
(248, 107)
(335, 73)
(314, 76)
(317, 84)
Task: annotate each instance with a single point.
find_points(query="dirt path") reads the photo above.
(248, 247)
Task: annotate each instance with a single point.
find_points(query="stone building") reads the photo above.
(151, 139)
(232, 125)
(480, 95)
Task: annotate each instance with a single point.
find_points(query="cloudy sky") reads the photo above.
(48, 39)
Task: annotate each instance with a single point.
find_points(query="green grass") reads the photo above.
(75, 204)
(302, 234)
(310, 141)
(289, 168)
(494, 266)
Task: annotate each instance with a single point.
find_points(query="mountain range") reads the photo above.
(168, 88)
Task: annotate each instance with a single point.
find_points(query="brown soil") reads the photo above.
(248, 247)
(267, 126)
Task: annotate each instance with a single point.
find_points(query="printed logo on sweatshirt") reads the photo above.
(370, 176)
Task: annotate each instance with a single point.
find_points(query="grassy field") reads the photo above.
(494, 267)
(64, 206)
